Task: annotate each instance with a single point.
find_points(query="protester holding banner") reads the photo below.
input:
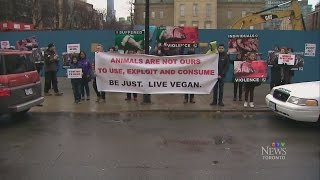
(86, 76)
(51, 67)
(112, 49)
(100, 95)
(76, 82)
(275, 68)
(135, 95)
(222, 70)
(186, 96)
(249, 86)
(286, 73)
(296, 61)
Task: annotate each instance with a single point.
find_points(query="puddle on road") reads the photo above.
(218, 140)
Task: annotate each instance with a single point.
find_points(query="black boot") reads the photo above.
(192, 101)
(185, 100)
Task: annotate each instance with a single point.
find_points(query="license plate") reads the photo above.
(28, 91)
(272, 105)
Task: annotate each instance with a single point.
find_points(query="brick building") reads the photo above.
(314, 19)
(161, 12)
(229, 11)
(200, 13)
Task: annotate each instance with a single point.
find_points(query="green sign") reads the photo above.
(129, 40)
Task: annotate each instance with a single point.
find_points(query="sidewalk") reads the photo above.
(115, 102)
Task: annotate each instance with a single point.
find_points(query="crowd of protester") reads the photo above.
(279, 74)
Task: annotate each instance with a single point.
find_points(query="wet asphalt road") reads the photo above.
(156, 146)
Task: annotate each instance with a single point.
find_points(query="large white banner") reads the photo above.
(147, 74)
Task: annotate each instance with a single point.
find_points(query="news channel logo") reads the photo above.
(277, 150)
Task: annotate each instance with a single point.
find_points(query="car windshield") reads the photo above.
(13, 64)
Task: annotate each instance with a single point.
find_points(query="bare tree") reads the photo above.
(36, 14)
(68, 14)
(68, 11)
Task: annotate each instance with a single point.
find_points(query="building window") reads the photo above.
(153, 15)
(244, 13)
(182, 23)
(144, 15)
(195, 10)
(208, 10)
(229, 14)
(161, 14)
(208, 25)
(182, 9)
(195, 23)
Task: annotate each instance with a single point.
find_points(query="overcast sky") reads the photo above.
(122, 6)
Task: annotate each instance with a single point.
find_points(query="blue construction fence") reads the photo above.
(267, 40)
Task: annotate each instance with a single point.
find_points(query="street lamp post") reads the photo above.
(146, 97)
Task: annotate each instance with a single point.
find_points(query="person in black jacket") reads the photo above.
(186, 96)
(275, 74)
(51, 67)
(222, 70)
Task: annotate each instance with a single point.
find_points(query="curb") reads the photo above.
(262, 110)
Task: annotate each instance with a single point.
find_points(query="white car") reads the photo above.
(299, 101)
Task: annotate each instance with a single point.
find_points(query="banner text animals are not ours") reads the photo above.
(156, 75)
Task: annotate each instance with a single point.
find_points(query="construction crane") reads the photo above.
(294, 13)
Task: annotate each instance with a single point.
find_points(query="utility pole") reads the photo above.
(146, 27)
(131, 14)
(146, 97)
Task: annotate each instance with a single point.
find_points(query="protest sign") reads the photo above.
(310, 50)
(286, 59)
(273, 59)
(138, 73)
(74, 73)
(243, 43)
(27, 44)
(176, 36)
(250, 71)
(66, 59)
(5, 44)
(73, 48)
(38, 55)
(129, 40)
